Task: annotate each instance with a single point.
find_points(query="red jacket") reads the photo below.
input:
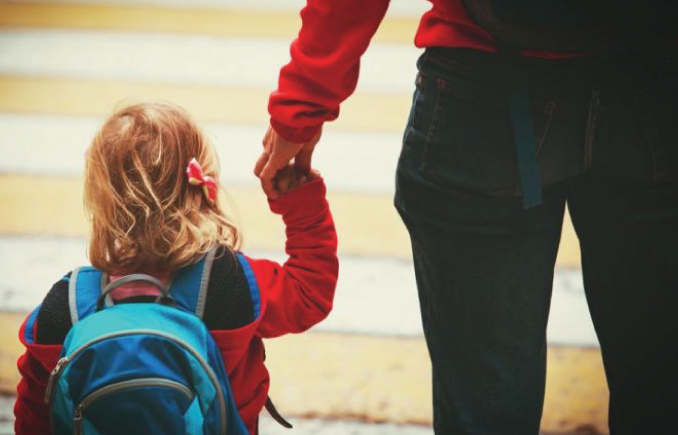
(325, 62)
(294, 297)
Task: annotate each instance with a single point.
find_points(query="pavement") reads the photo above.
(64, 66)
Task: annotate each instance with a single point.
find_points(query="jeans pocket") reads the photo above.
(658, 113)
(469, 143)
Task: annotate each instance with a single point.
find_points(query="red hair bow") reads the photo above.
(197, 178)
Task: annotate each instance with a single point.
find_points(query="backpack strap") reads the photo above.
(190, 285)
(251, 283)
(523, 127)
(188, 288)
(84, 288)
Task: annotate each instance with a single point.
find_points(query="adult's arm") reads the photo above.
(324, 66)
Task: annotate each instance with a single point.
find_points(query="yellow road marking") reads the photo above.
(218, 22)
(380, 379)
(10, 349)
(366, 224)
(53, 206)
(380, 112)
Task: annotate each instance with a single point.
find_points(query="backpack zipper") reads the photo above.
(58, 370)
(53, 376)
(124, 385)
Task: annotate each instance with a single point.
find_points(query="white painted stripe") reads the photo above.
(185, 59)
(336, 427)
(397, 8)
(269, 426)
(374, 296)
(55, 145)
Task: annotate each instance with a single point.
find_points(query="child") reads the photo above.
(152, 193)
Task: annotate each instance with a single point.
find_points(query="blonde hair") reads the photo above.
(144, 214)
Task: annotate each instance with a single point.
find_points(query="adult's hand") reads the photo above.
(277, 155)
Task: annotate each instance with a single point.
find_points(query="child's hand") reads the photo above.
(289, 178)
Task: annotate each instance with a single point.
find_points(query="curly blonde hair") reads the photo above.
(144, 214)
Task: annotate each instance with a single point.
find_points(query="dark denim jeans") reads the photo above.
(607, 135)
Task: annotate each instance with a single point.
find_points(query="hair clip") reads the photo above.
(196, 177)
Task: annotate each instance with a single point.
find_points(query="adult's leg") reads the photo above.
(484, 265)
(628, 231)
(484, 283)
(625, 212)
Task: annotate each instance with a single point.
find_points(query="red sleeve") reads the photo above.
(324, 67)
(30, 411)
(299, 294)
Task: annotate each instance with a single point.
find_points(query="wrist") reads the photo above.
(307, 199)
(295, 134)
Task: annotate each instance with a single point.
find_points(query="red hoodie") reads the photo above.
(325, 62)
(294, 297)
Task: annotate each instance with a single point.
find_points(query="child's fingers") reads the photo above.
(284, 179)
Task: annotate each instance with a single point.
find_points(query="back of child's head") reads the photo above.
(145, 215)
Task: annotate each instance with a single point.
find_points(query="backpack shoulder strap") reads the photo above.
(189, 286)
(251, 283)
(84, 288)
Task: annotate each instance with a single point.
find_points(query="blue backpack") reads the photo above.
(141, 368)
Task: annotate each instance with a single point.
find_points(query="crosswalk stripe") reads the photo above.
(218, 22)
(365, 282)
(374, 378)
(49, 145)
(367, 224)
(388, 379)
(186, 59)
(377, 229)
(363, 112)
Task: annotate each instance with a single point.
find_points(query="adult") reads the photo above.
(502, 134)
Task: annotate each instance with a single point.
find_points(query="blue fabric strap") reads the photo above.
(185, 287)
(252, 284)
(84, 290)
(523, 134)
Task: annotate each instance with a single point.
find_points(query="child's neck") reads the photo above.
(139, 288)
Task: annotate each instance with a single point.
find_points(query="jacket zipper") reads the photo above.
(58, 370)
(124, 385)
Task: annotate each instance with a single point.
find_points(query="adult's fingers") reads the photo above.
(268, 181)
(302, 161)
(267, 137)
(261, 162)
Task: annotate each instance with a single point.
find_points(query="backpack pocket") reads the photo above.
(132, 380)
(176, 400)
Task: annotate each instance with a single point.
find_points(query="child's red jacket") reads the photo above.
(294, 297)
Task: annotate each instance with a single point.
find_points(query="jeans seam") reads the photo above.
(432, 129)
(650, 131)
(591, 128)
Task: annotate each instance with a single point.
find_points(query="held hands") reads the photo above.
(275, 169)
